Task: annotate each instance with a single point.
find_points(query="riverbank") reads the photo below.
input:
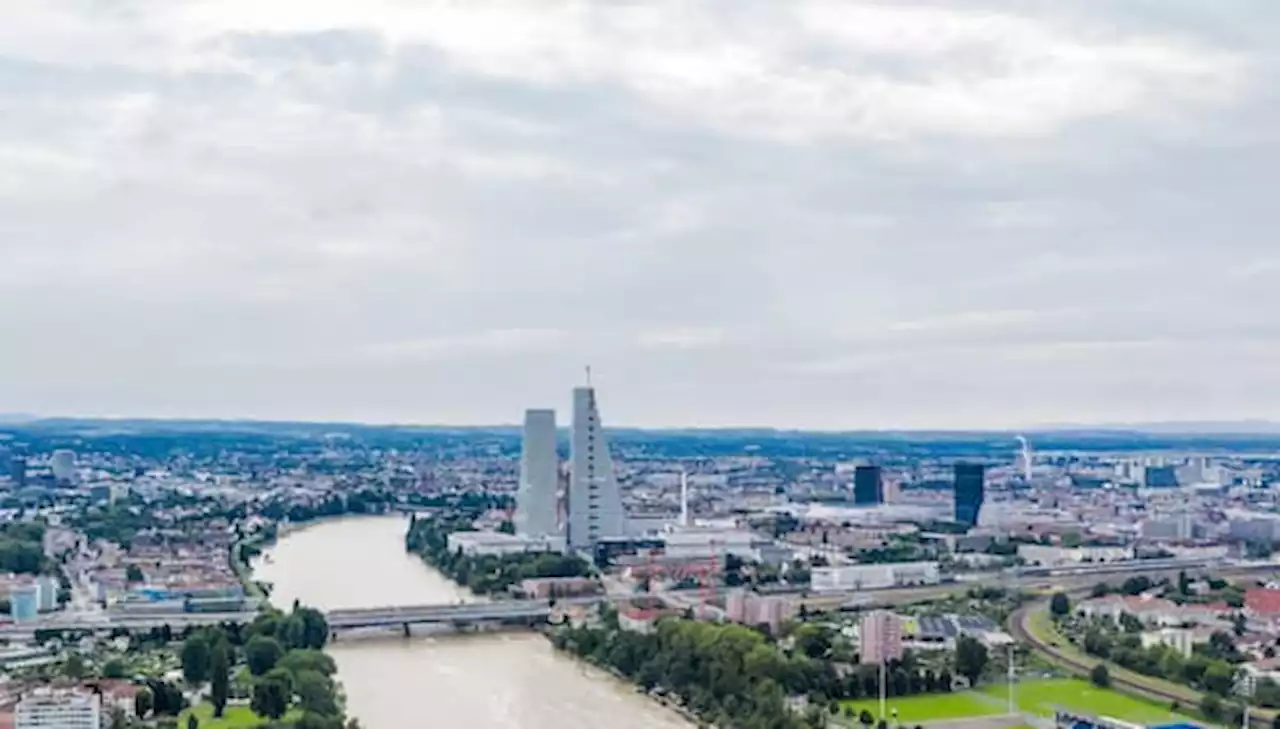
(514, 680)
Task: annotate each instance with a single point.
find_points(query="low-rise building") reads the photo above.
(874, 576)
(475, 544)
(1040, 555)
(48, 708)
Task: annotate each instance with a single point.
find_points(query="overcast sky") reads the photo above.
(739, 212)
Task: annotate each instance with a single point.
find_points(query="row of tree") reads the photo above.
(484, 574)
(283, 655)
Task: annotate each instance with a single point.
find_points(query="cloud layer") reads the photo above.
(823, 214)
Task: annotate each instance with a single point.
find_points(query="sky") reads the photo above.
(829, 215)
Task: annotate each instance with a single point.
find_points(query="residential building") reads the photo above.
(1181, 640)
(47, 595)
(880, 637)
(24, 602)
(595, 503)
(970, 492)
(537, 513)
(748, 608)
(868, 486)
(59, 709)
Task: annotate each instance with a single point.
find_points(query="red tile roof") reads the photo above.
(1262, 601)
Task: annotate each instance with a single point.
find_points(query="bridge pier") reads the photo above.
(407, 632)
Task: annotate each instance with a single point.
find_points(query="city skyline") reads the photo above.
(829, 216)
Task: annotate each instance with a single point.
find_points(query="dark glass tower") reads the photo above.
(868, 488)
(970, 491)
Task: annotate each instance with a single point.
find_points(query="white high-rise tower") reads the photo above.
(536, 501)
(595, 504)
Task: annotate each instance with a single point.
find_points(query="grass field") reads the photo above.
(918, 709)
(235, 717)
(1041, 697)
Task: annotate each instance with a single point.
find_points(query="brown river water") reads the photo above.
(499, 680)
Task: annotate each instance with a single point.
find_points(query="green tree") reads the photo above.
(1211, 706)
(75, 667)
(316, 693)
(113, 668)
(1060, 605)
(1100, 676)
(271, 695)
(143, 703)
(133, 573)
(262, 654)
(196, 659)
(971, 658)
(315, 629)
(865, 718)
(192, 722)
(219, 677)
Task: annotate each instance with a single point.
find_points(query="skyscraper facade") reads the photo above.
(970, 491)
(537, 508)
(595, 504)
(868, 487)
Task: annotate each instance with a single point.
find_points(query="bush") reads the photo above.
(1100, 676)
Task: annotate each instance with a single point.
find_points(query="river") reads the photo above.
(506, 680)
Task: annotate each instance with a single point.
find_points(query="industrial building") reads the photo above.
(874, 576)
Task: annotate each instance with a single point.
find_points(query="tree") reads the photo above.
(1211, 706)
(196, 659)
(1184, 583)
(316, 693)
(262, 654)
(813, 640)
(133, 573)
(315, 629)
(192, 722)
(143, 703)
(74, 667)
(113, 668)
(971, 658)
(865, 718)
(219, 677)
(1100, 676)
(1100, 590)
(271, 695)
(1060, 605)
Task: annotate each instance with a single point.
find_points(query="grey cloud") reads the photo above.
(360, 222)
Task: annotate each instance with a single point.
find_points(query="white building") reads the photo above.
(59, 709)
(1181, 640)
(1039, 555)
(874, 576)
(474, 544)
(709, 543)
(537, 513)
(595, 503)
(47, 587)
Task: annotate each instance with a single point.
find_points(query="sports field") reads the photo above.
(235, 717)
(1041, 697)
(920, 709)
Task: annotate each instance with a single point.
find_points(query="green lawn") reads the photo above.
(919, 709)
(235, 717)
(1041, 697)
